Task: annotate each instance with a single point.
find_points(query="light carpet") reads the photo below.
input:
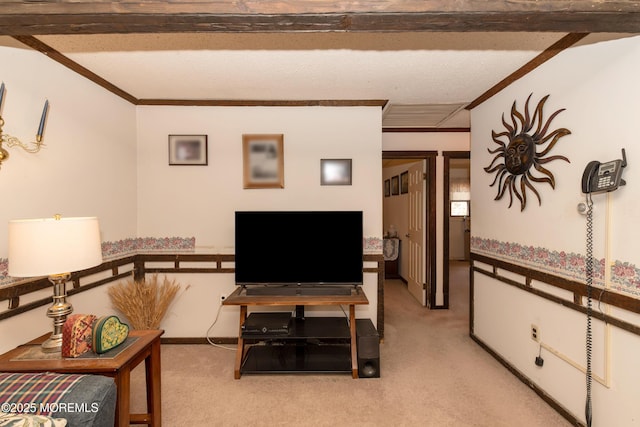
(432, 374)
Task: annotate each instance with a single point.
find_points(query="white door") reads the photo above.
(416, 234)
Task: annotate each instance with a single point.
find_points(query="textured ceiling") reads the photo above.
(428, 78)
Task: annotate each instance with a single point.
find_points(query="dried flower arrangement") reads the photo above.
(144, 302)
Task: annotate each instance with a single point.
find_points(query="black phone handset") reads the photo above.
(603, 177)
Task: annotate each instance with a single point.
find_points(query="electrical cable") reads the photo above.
(346, 316)
(589, 280)
(540, 351)
(211, 327)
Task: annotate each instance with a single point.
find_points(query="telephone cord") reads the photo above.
(589, 280)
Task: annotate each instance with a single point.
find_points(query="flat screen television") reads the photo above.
(298, 248)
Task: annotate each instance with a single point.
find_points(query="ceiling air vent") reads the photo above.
(422, 115)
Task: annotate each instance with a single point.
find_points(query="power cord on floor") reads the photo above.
(209, 340)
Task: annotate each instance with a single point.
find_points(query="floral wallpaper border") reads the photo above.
(373, 245)
(111, 250)
(625, 276)
(132, 246)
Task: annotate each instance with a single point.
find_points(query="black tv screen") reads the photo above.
(298, 247)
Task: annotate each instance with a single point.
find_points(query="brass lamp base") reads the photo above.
(52, 345)
(58, 312)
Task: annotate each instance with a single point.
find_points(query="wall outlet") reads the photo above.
(222, 297)
(535, 333)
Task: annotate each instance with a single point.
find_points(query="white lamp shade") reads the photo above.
(48, 246)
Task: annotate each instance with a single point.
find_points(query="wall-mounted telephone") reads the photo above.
(600, 177)
(596, 178)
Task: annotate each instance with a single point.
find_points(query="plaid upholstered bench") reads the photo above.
(81, 400)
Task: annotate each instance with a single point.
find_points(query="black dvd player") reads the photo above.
(271, 323)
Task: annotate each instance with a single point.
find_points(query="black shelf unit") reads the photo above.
(313, 345)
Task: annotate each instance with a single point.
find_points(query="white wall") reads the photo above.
(597, 84)
(87, 167)
(107, 158)
(431, 141)
(200, 201)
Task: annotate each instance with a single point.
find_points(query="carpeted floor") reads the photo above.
(432, 374)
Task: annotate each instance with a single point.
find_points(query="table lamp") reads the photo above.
(54, 247)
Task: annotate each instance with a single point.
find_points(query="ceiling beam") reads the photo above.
(553, 50)
(37, 17)
(266, 103)
(44, 48)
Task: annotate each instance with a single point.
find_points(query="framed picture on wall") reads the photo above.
(387, 187)
(395, 185)
(459, 208)
(189, 150)
(263, 160)
(404, 182)
(335, 172)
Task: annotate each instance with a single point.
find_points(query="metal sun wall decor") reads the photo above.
(517, 152)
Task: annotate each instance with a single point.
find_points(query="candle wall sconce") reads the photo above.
(11, 141)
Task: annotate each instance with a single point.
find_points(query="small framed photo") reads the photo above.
(404, 182)
(335, 172)
(188, 150)
(387, 187)
(460, 208)
(263, 159)
(395, 185)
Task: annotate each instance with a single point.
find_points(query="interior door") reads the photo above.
(416, 233)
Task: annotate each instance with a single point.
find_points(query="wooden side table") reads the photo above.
(145, 348)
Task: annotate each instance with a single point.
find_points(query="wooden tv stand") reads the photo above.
(302, 329)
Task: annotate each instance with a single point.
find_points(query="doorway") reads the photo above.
(420, 251)
(455, 165)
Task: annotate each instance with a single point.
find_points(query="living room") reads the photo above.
(108, 158)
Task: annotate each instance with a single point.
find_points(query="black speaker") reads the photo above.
(368, 347)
